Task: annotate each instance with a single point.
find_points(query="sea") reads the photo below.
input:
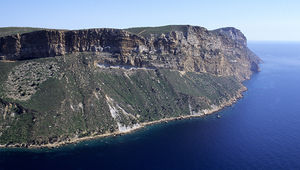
(260, 131)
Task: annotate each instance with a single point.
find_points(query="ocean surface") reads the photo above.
(260, 131)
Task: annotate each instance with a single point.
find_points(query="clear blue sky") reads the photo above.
(257, 19)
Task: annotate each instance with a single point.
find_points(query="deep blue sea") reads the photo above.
(261, 131)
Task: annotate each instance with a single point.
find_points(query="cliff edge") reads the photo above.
(187, 48)
(61, 85)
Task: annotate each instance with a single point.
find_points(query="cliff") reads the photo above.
(185, 48)
(59, 85)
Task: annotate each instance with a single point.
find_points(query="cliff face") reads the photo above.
(220, 52)
(50, 43)
(58, 86)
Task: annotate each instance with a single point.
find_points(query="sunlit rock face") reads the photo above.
(221, 52)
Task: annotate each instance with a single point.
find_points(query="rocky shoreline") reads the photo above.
(142, 125)
(69, 86)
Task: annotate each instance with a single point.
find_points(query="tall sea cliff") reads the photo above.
(59, 85)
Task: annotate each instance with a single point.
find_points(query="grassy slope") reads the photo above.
(149, 95)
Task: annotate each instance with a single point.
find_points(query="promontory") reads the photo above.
(60, 86)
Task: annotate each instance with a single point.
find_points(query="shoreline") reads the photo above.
(221, 106)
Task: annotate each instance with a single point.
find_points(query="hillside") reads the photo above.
(59, 86)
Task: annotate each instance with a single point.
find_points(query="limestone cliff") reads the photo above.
(186, 48)
(58, 85)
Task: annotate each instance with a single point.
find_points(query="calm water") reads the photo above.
(261, 131)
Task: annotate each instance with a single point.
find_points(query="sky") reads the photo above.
(266, 20)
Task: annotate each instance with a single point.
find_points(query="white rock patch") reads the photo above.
(116, 111)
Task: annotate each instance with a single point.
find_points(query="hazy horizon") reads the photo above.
(259, 21)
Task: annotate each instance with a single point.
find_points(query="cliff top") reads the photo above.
(6, 31)
(146, 31)
(141, 31)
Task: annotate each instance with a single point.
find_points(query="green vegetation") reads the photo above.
(5, 68)
(5, 31)
(73, 102)
(48, 97)
(146, 31)
(203, 85)
(18, 130)
(144, 93)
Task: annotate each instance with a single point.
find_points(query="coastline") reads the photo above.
(221, 106)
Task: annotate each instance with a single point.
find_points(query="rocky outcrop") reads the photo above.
(220, 52)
